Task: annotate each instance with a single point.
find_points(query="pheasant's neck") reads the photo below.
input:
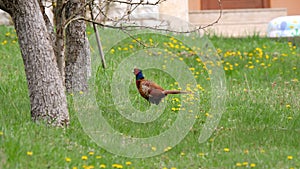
(139, 76)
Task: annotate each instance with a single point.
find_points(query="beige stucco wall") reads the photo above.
(293, 6)
(177, 8)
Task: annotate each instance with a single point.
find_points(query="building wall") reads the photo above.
(293, 6)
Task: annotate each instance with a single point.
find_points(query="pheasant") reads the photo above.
(150, 90)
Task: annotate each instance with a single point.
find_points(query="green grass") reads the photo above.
(260, 127)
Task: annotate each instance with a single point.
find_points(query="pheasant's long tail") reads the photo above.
(175, 92)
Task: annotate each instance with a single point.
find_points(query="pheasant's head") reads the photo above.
(138, 73)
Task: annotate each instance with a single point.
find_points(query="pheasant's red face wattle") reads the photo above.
(136, 71)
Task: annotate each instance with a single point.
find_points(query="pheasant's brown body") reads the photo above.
(150, 90)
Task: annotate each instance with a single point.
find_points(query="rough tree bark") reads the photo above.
(59, 41)
(46, 91)
(77, 48)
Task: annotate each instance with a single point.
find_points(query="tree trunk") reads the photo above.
(46, 91)
(59, 41)
(77, 49)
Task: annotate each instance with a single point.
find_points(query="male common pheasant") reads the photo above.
(150, 90)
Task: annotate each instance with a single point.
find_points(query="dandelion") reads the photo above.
(201, 154)
(7, 34)
(251, 67)
(238, 164)
(4, 42)
(290, 118)
(288, 106)
(245, 163)
(182, 154)
(226, 149)
(289, 157)
(153, 148)
(117, 166)
(84, 157)
(167, 149)
(67, 159)
(74, 167)
(112, 51)
(173, 167)
(89, 167)
(128, 163)
(1, 133)
(29, 153)
(102, 166)
(192, 68)
(91, 153)
(98, 157)
(252, 165)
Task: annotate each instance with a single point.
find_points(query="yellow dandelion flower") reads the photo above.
(128, 163)
(290, 118)
(80, 92)
(74, 167)
(4, 42)
(67, 159)
(167, 149)
(289, 157)
(288, 106)
(153, 148)
(192, 68)
(238, 164)
(201, 154)
(102, 166)
(7, 34)
(117, 166)
(245, 163)
(252, 165)
(251, 67)
(84, 157)
(29, 153)
(130, 46)
(1, 133)
(173, 167)
(226, 149)
(181, 58)
(91, 153)
(98, 157)
(182, 154)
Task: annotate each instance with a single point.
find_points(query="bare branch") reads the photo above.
(142, 2)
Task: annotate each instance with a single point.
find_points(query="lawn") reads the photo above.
(260, 127)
